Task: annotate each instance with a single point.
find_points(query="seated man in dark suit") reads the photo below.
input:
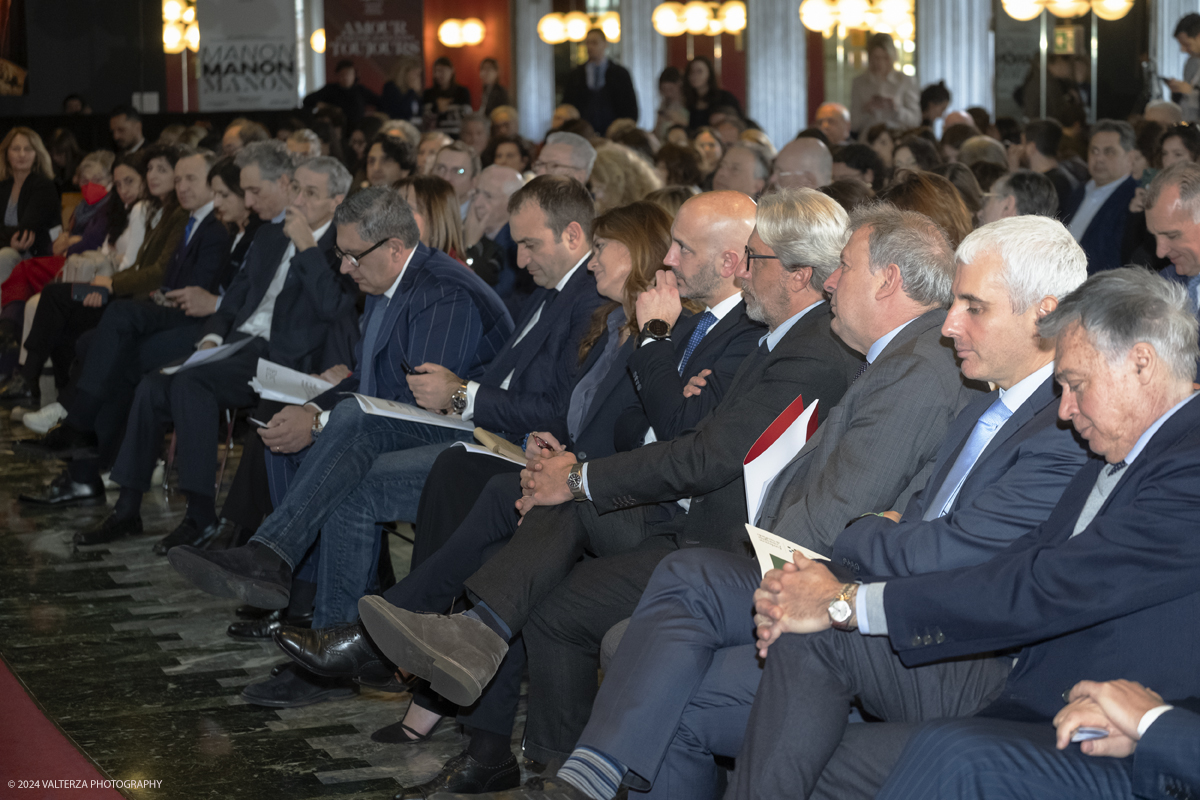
(1096, 212)
(283, 305)
(599, 88)
(1151, 751)
(646, 393)
(1102, 588)
(1172, 199)
(999, 471)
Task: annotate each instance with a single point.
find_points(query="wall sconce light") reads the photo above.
(461, 32)
(180, 31)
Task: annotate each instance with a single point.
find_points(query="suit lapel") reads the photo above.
(532, 342)
(611, 381)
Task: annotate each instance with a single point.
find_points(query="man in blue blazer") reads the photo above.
(1096, 212)
(1152, 751)
(282, 306)
(1000, 445)
(1102, 589)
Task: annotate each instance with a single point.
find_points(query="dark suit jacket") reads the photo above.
(616, 100)
(544, 364)
(654, 368)
(1170, 273)
(613, 395)
(1012, 488)
(202, 260)
(1105, 234)
(705, 463)
(441, 313)
(1166, 764)
(314, 301)
(878, 444)
(39, 209)
(1120, 600)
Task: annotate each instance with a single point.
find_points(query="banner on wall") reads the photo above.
(14, 50)
(374, 34)
(247, 55)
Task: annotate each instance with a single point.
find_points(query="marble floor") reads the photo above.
(134, 665)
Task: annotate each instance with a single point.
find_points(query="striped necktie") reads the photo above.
(707, 320)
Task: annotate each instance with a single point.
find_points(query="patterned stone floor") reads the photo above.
(134, 665)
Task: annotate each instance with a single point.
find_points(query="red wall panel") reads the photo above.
(497, 43)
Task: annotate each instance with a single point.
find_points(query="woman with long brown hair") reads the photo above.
(935, 197)
(438, 218)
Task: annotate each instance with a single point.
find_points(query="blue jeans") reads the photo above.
(339, 464)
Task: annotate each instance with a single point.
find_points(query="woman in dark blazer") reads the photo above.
(30, 199)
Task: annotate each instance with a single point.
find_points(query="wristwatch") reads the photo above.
(655, 330)
(317, 427)
(575, 483)
(458, 400)
(840, 610)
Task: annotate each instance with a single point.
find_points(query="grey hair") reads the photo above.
(805, 228)
(460, 146)
(1171, 108)
(379, 212)
(582, 152)
(915, 244)
(1040, 256)
(339, 177)
(1186, 177)
(479, 116)
(1118, 308)
(406, 129)
(512, 182)
(1119, 127)
(272, 159)
(762, 157)
(305, 136)
(982, 148)
(1034, 192)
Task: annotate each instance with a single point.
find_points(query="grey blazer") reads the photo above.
(877, 446)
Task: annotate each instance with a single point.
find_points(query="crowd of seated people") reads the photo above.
(995, 509)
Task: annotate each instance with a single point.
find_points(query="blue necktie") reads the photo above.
(366, 384)
(707, 320)
(187, 230)
(991, 421)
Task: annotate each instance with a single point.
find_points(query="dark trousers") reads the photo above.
(57, 325)
(192, 400)
(441, 563)
(249, 499)
(794, 738)
(976, 759)
(679, 689)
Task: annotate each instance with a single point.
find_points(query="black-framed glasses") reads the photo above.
(355, 260)
(751, 256)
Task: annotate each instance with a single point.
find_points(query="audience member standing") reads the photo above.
(703, 95)
(672, 110)
(883, 93)
(492, 95)
(346, 93)
(445, 101)
(600, 89)
(401, 94)
(1187, 33)
(126, 127)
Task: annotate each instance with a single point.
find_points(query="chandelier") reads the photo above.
(699, 18)
(1025, 10)
(893, 17)
(573, 26)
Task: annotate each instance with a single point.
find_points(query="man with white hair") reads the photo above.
(487, 219)
(566, 154)
(1105, 586)
(804, 163)
(662, 712)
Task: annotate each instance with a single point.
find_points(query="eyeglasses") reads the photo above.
(551, 167)
(750, 257)
(443, 171)
(355, 260)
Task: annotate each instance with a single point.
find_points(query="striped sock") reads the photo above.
(593, 773)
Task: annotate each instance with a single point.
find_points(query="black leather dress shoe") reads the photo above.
(17, 389)
(253, 574)
(188, 532)
(463, 774)
(292, 687)
(63, 491)
(251, 630)
(342, 652)
(61, 442)
(110, 529)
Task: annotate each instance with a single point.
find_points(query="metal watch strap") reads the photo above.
(458, 400)
(847, 591)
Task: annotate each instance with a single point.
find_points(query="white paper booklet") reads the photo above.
(390, 408)
(777, 446)
(208, 356)
(275, 382)
(775, 551)
(479, 449)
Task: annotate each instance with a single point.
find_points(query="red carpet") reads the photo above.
(37, 762)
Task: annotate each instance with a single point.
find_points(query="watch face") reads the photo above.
(839, 611)
(658, 327)
(575, 479)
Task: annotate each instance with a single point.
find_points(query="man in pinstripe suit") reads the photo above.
(527, 382)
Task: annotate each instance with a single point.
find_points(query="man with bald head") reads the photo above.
(563, 607)
(833, 119)
(802, 164)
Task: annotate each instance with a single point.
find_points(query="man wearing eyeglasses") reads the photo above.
(802, 164)
(566, 154)
(458, 163)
